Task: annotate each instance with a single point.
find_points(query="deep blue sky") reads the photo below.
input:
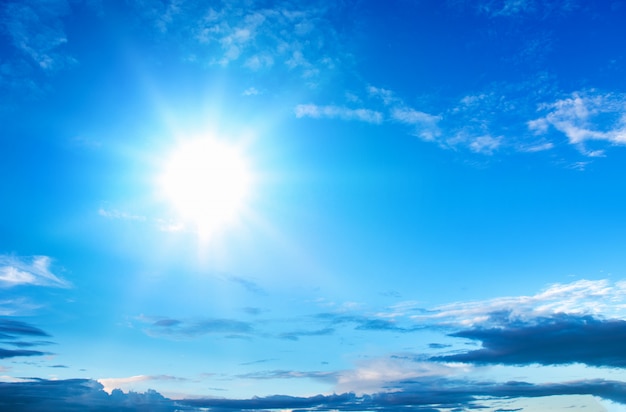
(435, 200)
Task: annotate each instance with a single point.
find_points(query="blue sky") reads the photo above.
(431, 219)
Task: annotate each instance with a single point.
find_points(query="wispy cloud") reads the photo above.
(424, 123)
(34, 271)
(247, 284)
(36, 30)
(289, 374)
(296, 335)
(179, 328)
(582, 297)
(340, 112)
(426, 394)
(119, 214)
(585, 117)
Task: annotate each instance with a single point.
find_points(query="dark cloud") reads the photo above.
(11, 353)
(438, 346)
(13, 329)
(561, 339)
(426, 395)
(419, 395)
(297, 334)
(21, 344)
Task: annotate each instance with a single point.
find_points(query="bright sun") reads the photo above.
(207, 181)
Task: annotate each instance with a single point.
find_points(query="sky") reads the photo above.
(407, 205)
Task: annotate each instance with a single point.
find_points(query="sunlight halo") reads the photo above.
(207, 182)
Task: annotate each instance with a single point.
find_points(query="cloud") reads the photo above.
(247, 284)
(427, 394)
(251, 91)
(285, 38)
(35, 271)
(340, 112)
(76, 394)
(387, 96)
(386, 373)
(297, 334)
(118, 214)
(13, 329)
(287, 374)
(36, 30)
(523, 8)
(559, 339)
(383, 321)
(582, 297)
(127, 383)
(12, 353)
(585, 117)
(425, 124)
(422, 395)
(177, 328)
(485, 144)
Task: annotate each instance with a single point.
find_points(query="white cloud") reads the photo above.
(379, 374)
(36, 30)
(537, 147)
(595, 297)
(585, 117)
(131, 383)
(317, 112)
(385, 95)
(255, 36)
(34, 271)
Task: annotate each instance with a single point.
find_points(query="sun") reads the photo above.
(207, 181)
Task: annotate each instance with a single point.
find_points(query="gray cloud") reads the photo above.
(11, 330)
(416, 395)
(560, 339)
(179, 328)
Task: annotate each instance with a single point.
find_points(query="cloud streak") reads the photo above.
(10, 330)
(33, 271)
(178, 328)
(585, 117)
(338, 112)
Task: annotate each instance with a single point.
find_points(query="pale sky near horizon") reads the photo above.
(276, 205)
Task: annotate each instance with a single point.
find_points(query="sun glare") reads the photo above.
(207, 182)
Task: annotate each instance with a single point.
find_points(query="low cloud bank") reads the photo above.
(416, 395)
